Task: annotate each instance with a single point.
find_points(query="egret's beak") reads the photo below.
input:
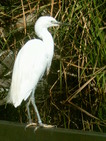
(60, 23)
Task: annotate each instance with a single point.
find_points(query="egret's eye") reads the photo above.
(52, 22)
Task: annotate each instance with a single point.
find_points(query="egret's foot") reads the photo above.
(46, 125)
(41, 125)
(31, 124)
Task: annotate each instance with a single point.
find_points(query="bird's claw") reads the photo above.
(47, 126)
(41, 125)
(30, 124)
(44, 126)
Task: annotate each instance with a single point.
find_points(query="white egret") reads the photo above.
(31, 62)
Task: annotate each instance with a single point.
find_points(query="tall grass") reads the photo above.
(77, 81)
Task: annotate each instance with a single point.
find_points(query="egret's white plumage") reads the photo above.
(31, 62)
(29, 67)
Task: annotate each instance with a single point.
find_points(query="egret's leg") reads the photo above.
(29, 115)
(40, 124)
(36, 110)
(28, 111)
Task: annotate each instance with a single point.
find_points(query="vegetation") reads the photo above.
(75, 96)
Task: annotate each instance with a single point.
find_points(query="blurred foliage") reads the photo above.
(75, 96)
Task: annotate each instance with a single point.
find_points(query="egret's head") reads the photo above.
(45, 22)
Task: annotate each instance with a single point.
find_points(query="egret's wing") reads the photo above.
(29, 67)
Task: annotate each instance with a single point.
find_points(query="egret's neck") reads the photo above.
(48, 42)
(47, 38)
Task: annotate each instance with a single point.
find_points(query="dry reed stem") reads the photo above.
(52, 6)
(29, 6)
(83, 86)
(60, 110)
(84, 111)
(23, 16)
